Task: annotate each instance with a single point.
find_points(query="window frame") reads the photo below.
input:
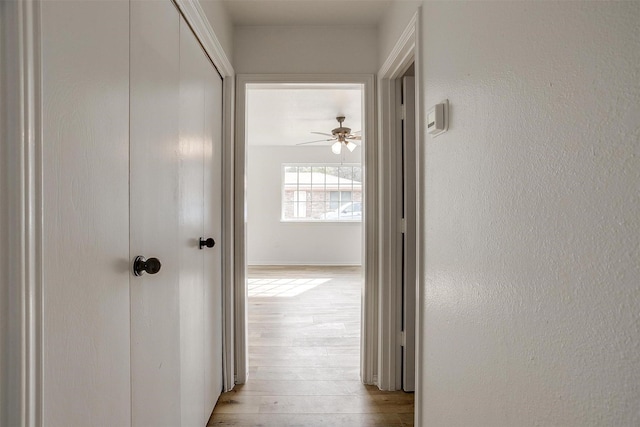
(327, 202)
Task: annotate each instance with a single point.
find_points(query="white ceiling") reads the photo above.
(286, 114)
(306, 12)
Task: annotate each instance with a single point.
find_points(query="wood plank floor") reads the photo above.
(304, 356)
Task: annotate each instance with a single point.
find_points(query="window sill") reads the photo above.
(319, 222)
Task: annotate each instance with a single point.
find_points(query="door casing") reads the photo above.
(369, 322)
(409, 279)
(21, 215)
(406, 50)
(195, 16)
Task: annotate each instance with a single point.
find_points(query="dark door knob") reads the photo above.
(208, 243)
(142, 265)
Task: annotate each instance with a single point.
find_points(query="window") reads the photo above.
(328, 192)
(339, 198)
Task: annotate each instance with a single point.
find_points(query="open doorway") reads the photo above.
(294, 365)
(304, 233)
(341, 201)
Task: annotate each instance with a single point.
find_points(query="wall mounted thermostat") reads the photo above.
(438, 118)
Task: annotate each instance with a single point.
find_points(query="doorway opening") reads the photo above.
(295, 365)
(304, 204)
(301, 153)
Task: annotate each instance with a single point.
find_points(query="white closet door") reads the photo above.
(213, 229)
(154, 205)
(191, 149)
(85, 61)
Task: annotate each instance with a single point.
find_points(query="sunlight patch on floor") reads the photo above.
(282, 287)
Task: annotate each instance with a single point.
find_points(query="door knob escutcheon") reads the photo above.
(142, 265)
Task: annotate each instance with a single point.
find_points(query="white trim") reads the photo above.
(228, 238)
(197, 19)
(403, 54)
(409, 267)
(390, 238)
(420, 224)
(241, 360)
(21, 379)
(370, 247)
(369, 338)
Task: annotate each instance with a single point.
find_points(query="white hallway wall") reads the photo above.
(272, 242)
(319, 50)
(531, 295)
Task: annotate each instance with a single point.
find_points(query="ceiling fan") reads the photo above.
(341, 135)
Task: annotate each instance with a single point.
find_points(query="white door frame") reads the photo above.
(21, 277)
(409, 236)
(370, 294)
(193, 13)
(405, 51)
(21, 216)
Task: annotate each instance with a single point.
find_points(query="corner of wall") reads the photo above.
(394, 23)
(221, 24)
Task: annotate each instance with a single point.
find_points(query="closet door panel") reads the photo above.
(85, 60)
(213, 228)
(191, 149)
(154, 205)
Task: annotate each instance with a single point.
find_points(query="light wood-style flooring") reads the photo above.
(304, 356)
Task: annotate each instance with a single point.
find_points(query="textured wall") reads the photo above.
(532, 298)
(290, 50)
(270, 241)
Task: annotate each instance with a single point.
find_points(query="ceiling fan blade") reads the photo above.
(323, 133)
(311, 142)
(356, 137)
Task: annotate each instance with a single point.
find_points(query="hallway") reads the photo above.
(304, 355)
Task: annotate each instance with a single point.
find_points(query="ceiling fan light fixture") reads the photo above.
(337, 147)
(351, 146)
